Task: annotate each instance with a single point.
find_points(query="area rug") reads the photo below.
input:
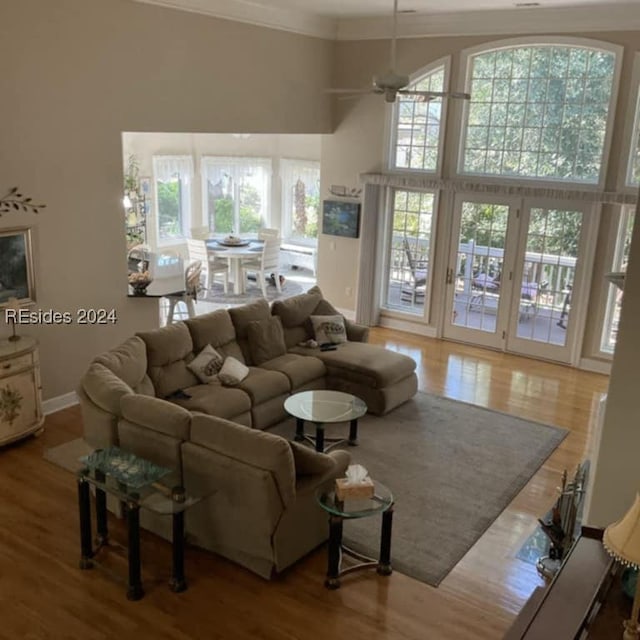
(452, 467)
(253, 291)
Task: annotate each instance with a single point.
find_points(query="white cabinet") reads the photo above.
(20, 397)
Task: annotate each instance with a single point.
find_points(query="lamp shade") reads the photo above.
(13, 303)
(622, 538)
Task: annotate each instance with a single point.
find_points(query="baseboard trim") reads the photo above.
(59, 402)
(596, 366)
(408, 326)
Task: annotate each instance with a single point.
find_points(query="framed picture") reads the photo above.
(341, 218)
(16, 266)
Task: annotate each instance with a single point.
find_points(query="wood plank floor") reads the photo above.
(43, 594)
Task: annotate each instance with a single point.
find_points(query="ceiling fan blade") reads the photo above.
(426, 96)
(342, 91)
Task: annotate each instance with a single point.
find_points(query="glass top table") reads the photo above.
(137, 483)
(325, 407)
(351, 508)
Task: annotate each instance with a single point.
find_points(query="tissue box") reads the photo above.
(363, 489)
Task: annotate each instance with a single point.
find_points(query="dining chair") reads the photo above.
(193, 285)
(200, 233)
(265, 266)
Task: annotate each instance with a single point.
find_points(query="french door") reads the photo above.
(516, 275)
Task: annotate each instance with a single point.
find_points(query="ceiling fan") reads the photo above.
(391, 83)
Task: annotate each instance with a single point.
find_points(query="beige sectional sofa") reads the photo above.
(144, 397)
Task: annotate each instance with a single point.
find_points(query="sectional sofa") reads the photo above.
(145, 397)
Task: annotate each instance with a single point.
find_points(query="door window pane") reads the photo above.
(478, 271)
(409, 252)
(300, 199)
(615, 294)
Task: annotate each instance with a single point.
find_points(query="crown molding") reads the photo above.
(615, 17)
(260, 15)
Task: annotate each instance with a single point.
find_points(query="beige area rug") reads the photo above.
(68, 455)
(452, 467)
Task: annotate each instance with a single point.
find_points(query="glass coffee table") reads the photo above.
(325, 407)
(349, 509)
(137, 483)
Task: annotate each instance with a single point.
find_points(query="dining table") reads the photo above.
(250, 248)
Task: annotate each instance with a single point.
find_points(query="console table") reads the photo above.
(20, 389)
(567, 608)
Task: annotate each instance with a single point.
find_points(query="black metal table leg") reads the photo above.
(178, 582)
(299, 430)
(320, 438)
(335, 550)
(101, 512)
(384, 564)
(84, 506)
(353, 433)
(134, 590)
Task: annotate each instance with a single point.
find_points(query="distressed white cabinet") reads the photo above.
(20, 397)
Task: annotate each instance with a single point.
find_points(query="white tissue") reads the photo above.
(356, 474)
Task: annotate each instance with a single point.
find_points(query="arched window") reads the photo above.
(417, 129)
(538, 111)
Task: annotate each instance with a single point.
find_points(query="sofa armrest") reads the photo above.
(356, 332)
(156, 414)
(309, 483)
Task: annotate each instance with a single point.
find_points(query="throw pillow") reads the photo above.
(233, 372)
(266, 339)
(206, 364)
(329, 329)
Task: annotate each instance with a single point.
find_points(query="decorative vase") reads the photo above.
(140, 288)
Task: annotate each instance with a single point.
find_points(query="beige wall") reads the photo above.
(74, 74)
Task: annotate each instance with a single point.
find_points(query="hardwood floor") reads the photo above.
(45, 595)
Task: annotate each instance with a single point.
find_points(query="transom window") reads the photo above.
(236, 193)
(417, 126)
(538, 111)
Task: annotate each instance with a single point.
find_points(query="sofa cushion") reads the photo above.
(207, 364)
(263, 385)
(157, 415)
(129, 362)
(242, 316)
(214, 399)
(364, 363)
(328, 329)
(309, 462)
(233, 372)
(295, 311)
(299, 369)
(266, 339)
(169, 350)
(105, 388)
(217, 330)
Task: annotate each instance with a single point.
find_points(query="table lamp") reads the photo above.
(13, 304)
(622, 540)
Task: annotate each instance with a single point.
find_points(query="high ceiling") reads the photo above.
(358, 19)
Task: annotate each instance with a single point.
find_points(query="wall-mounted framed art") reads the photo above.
(16, 266)
(341, 218)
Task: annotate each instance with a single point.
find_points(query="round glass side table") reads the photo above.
(350, 509)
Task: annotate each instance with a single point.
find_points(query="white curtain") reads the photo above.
(290, 172)
(169, 169)
(224, 173)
